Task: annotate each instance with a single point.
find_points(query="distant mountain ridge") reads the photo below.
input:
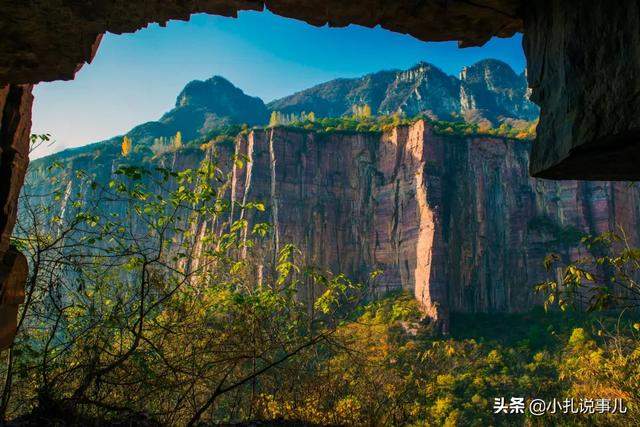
(489, 89)
(486, 91)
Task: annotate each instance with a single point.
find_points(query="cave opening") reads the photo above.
(405, 165)
(84, 98)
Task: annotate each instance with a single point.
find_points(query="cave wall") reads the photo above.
(15, 125)
(583, 67)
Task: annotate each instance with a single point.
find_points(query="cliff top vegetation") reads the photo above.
(361, 120)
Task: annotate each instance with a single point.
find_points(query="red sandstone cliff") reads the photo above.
(457, 221)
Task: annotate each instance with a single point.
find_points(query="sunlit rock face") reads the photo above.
(456, 221)
(491, 89)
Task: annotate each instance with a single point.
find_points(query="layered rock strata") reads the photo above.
(457, 221)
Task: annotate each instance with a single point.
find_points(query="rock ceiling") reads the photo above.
(50, 40)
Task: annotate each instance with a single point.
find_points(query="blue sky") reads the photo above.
(135, 77)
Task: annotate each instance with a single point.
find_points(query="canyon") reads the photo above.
(584, 81)
(454, 220)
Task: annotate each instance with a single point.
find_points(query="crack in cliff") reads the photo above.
(585, 195)
(248, 179)
(274, 194)
(397, 205)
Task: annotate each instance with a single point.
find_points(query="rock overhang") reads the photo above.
(588, 127)
(46, 41)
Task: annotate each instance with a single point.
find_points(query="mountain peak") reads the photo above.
(488, 89)
(492, 71)
(204, 105)
(424, 68)
(201, 92)
(216, 101)
(491, 63)
(491, 89)
(423, 65)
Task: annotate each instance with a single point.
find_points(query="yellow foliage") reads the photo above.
(177, 140)
(274, 120)
(366, 111)
(362, 111)
(127, 145)
(484, 127)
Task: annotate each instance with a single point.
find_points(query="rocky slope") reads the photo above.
(200, 108)
(489, 90)
(492, 90)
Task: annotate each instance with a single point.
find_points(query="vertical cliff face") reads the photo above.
(407, 209)
(318, 190)
(457, 221)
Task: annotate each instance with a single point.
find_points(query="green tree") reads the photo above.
(144, 288)
(274, 120)
(607, 278)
